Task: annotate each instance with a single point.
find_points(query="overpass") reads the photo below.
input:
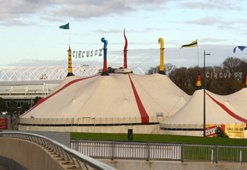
(20, 150)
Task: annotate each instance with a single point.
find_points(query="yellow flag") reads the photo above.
(193, 44)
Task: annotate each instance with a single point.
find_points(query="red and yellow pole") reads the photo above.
(246, 81)
(70, 72)
(199, 81)
(162, 65)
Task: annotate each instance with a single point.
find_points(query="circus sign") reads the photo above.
(211, 131)
(87, 53)
(224, 75)
(232, 130)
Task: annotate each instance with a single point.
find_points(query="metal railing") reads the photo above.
(128, 150)
(215, 153)
(160, 151)
(69, 156)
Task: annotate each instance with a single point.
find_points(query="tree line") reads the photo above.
(224, 79)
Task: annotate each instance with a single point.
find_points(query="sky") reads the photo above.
(30, 33)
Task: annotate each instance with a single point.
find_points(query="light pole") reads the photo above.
(204, 96)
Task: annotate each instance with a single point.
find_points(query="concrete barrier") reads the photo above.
(27, 155)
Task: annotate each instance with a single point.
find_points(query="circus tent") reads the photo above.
(111, 103)
(237, 102)
(189, 119)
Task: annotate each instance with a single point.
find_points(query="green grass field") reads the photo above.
(160, 138)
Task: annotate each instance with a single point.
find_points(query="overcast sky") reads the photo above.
(30, 31)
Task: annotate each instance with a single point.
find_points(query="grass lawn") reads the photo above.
(160, 138)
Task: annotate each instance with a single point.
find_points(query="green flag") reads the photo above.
(66, 26)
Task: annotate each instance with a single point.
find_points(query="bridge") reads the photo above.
(20, 150)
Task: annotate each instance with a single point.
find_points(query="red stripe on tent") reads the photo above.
(59, 90)
(143, 113)
(228, 110)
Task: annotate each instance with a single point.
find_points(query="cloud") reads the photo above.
(217, 22)
(17, 11)
(211, 5)
(222, 24)
(211, 40)
(207, 21)
(108, 31)
(147, 29)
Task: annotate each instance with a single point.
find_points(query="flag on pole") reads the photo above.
(239, 47)
(193, 44)
(66, 26)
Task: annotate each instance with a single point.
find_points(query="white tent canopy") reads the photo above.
(108, 100)
(236, 102)
(190, 116)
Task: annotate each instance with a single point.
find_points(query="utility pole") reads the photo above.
(204, 95)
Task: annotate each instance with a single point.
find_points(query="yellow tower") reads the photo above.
(70, 72)
(162, 65)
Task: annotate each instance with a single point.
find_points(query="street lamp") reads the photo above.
(204, 96)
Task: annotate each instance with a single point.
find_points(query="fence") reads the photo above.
(124, 150)
(70, 157)
(160, 151)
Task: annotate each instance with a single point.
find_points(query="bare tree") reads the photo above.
(168, 69)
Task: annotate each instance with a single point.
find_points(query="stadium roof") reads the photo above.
(44, 72)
